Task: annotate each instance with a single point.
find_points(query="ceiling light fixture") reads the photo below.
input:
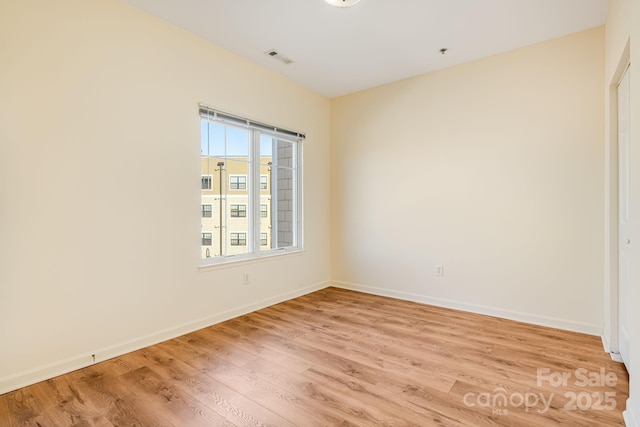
(342, 3)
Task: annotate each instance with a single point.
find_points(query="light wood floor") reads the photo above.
(338, 357)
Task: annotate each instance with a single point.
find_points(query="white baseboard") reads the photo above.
(615, 356)
(473, 308)
(630, 415)
(605, 343)
(42, 373)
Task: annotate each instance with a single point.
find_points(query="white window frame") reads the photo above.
(253, 189)
(202, 210)
(266, 182)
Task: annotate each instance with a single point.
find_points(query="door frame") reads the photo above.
(611, 330)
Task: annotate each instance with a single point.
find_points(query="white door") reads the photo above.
(623, 214)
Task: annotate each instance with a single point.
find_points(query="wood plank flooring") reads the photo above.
(338, 357)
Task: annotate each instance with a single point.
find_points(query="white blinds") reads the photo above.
(208, 112)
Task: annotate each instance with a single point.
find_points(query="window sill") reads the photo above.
(236, 261)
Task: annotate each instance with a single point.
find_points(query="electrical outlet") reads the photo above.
(246, 279)
(439, 270)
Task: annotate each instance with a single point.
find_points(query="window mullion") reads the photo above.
(254, 193)
(274, 194)
(299, 194)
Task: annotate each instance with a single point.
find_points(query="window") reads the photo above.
(207, 238)
(238, 182)
(238, 239)
(206, 211)
(238, 211)
(207, 181)
(257, 173)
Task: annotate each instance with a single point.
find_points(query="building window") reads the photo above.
(207, 238)
(238, 211)
(252, 163)
(207, 182)
(238, 239)
(238, 182)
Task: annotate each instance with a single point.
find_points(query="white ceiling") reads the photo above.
(337, 51)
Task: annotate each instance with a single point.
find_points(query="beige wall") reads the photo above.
(99, 184)
(493, 169)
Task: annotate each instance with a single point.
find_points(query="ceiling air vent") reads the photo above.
(276, 55)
